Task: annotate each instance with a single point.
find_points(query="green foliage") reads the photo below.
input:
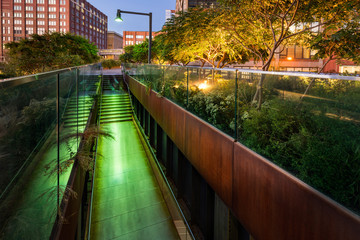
(110, 63)
(48, 52)
(197, 35)
(316, 138)
(340, 43)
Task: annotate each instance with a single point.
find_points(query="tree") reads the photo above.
(263, 27)
(48, 52)
(197, 35)
(127, 57)
(339, 44)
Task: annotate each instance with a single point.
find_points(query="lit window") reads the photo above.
(29, 31)
(17, 30)
(41, 30)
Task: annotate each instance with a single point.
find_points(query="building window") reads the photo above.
(29, 8)
(62, 2)
(41, 30)
(41, 22)
(52, 16)
(17, 38)
(29, 1)
(40, 9)
(17, 14)
(52, 1)
(129, 36)
(139, 37)
(52, 9)
(29, 31)
(138, 42)
(41, 15)
(62, 9)
(18, 22)
(29, 15)
(52, 23)
(62, 16)
(17, 1)
(17, 8)
(40, 1)
(17, 30)
(29, 22)
(62, 23)
(52, 29)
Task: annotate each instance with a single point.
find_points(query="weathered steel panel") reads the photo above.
(272, 204)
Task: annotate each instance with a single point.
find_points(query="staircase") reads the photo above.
(115, 105)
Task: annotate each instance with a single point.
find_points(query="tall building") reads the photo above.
(135, 37)
(169, 14)
(21, 18)
(184, 5)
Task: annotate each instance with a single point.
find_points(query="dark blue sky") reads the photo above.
(134, 22)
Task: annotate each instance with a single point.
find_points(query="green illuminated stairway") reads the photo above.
(127, 201)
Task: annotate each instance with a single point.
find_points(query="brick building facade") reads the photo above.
(21, 18)
(135, 37)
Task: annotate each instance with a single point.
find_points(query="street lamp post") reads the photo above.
(119, 19)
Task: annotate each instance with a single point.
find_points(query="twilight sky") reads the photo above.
(134, 22)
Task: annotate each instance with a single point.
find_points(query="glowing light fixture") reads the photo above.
(203, 86)
(118, 16)
(289, 58)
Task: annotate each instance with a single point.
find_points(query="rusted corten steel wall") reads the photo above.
(268, 201)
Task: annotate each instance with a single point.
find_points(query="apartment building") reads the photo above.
(21, 18)
(136, 37)
(184, 5)
(169, 14)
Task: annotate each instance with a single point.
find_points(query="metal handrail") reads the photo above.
(295, 74)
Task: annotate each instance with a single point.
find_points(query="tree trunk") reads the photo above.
(258, 96)
(313, 80)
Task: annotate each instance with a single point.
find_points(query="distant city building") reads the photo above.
(114, 46)
(184, 5)
(135, 37)
(169, 14)
(21, 18)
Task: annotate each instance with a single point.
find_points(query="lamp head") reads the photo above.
(118, 16)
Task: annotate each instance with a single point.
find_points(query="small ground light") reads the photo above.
(289, 58)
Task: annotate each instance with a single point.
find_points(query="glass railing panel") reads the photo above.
(212, 97)
(28, 197)
(308, 126)
(174, 84)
